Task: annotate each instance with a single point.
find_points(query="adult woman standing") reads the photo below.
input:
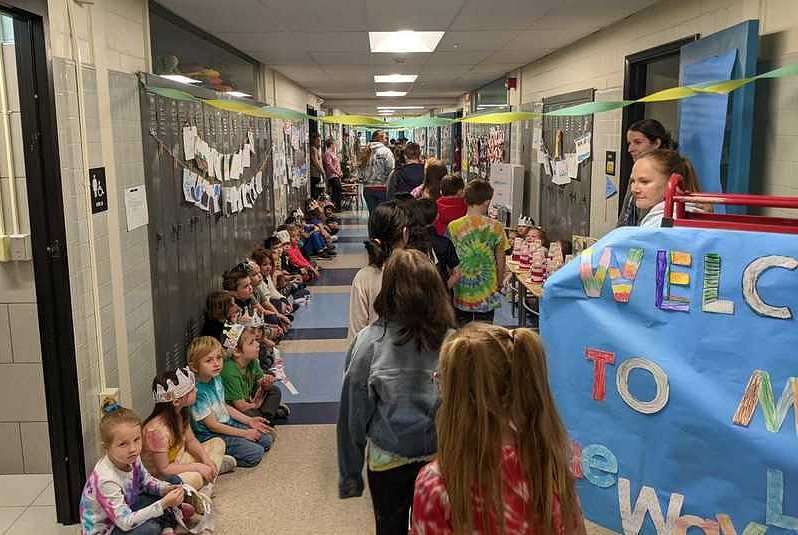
(388, 399)
(502, 464)
(316, 167)
(332, 168)
(388, 230)
(649, 181)
(642, 137)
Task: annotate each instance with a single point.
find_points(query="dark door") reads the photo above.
(51, 268)
(647, 72)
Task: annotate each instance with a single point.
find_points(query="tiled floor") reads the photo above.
(27, 506)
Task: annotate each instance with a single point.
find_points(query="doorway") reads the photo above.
(47, 250)
(647, 72)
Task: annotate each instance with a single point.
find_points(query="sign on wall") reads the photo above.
(678, 390)
(98, 189)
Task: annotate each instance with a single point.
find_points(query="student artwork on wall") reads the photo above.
(677, 395)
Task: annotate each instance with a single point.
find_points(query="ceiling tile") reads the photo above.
(501, 15)
(419, 15)
(517, 57)
(216, 17)
(479, 40)
(304, 74)
(341, 58)
(312, 15)
(398, 60)
(458, 57)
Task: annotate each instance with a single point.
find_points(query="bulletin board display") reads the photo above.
(565, 209)
(485, 145)
(191, 248)
(446, 145)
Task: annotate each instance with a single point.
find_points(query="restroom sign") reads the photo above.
(99, 191)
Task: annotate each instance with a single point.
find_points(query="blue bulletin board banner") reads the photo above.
(680, 392)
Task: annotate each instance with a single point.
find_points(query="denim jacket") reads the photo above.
(388, 398)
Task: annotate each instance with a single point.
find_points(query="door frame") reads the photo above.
(634, 87)
(51, 268)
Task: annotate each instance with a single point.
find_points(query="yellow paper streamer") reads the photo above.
(674, 93)
(504, 117)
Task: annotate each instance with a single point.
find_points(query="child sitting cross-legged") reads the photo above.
(170, 447)
(293, 259)
(246, 438)
(238, 282)
(267, 289)
(246, 386)
(120, 495)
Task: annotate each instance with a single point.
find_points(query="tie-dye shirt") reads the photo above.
(210, 400)
(110, 493)
(476, 239)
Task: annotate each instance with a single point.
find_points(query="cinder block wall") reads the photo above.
(597, 61)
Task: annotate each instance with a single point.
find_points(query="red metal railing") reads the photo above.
(677, 214)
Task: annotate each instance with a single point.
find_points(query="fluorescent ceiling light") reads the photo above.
(395, 78)
(493, 106)
(391, 93)
(404, 41)
(237, 94)
(181, 79)
(386, 112)
(400, 107)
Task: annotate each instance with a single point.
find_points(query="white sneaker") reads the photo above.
(229, 464)
(333, 238)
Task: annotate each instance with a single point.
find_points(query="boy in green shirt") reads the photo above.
(246, 386)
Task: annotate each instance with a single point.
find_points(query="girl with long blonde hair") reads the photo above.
(502, 464)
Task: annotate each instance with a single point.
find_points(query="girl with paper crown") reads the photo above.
(120, 495)
(169, 446)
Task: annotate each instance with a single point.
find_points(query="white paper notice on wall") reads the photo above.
(136, 207)
(537, 136)
(583, 147)
(245, 154)
(547, 165)
(189, 141)
(573, 165)
(560, 176)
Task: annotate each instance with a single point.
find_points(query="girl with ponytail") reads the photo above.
(649, 181)
(502, 464)
(388, 224)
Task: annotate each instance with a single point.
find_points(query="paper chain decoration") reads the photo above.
(589, 108)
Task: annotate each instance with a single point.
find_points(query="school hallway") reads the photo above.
(295, 488)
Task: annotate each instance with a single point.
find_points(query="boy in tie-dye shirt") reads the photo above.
(481, 244)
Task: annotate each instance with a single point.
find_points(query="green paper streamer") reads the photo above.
(589, 108)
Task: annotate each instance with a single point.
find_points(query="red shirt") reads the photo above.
(296, 257)
(450, 208)
(432, 513)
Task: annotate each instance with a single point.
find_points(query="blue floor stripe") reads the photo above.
(351, 239)
(337, 277)
(324, 310)
(317, 333)
(318, 378)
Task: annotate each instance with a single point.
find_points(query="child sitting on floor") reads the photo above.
(294, 255)
(220, 307)
(290, 285)
(120, 495)
(267, 288)
(170, 447)
(246, 386)
(238, 282)
(273, 315)
(246, 438)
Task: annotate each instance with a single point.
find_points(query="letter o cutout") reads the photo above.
(660, 379)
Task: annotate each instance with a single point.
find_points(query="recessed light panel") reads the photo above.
(391, 93)
(404, 41)
(400, 107)
(395, 78)
(237, 94)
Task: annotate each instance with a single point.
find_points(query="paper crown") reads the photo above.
(232, 332)
(283, 236)
(184, 385)
(525, 221)
(255, 321)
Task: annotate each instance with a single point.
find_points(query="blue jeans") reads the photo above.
(153, 526)
(246, 452)
(374, 197)
(314, 244)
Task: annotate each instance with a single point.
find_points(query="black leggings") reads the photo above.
(392, 496)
